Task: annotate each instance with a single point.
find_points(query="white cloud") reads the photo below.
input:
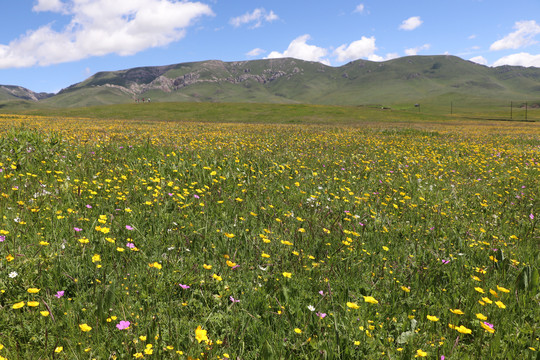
(363, 48)
(100, 27)
(256, 17)
(411, 23)
(523, 36)
(359, 8)
(520, 59)
(416, 50)
(256, 52)
(299, 49)
(49, 5)
(479, 60)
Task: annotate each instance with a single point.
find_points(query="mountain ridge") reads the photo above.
(289, 80)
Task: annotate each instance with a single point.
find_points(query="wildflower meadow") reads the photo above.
(125, 239)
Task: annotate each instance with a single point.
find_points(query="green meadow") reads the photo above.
(257, 231)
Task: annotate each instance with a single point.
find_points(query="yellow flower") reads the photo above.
(287, 274)
(432, 318)
(155, 265)
(480, 316)
(44, 313)
(406, 289)
(457, 311)
(370, 300)
(501, 289)
(85, 327)
(96, 258)
(207, 267)
(353, 305)
(230, 263)
(264, 255)
(487, 328)
(500, 304)
(487, 300)
(200, 334)
(217, 277)
(18, 305)
(420, 353)
(33, 303)
(479, 289)
(297, 330)
(230, 236)
(33, 290)
(463, 330)
(10, 258)
(58, 349)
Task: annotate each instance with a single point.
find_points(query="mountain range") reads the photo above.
(413, 79)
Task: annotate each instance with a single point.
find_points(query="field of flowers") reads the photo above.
(171, 240)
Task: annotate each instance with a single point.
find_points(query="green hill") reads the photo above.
(437, 81)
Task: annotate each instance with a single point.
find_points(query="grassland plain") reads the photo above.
(124, 239)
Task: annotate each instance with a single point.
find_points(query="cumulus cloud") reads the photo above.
(479, 60)
(299, 49)
(520, 59)
(416, 50)
(100, 27)
(523, 36)
(363, 48)
(49, 5)
(411, 23)
(256, 52)
(256, 17)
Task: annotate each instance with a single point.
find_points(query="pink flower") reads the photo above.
(59, 294)
(531, 217)
(321, 315)
(321, 293)
(122, 325)
(77, 229)
(129, 227)
(130, 245)
(2, 238)
(184, 286)
(233, 299)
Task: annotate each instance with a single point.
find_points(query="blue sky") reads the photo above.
(46, 45)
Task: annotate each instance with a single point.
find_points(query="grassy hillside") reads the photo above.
(408, 80)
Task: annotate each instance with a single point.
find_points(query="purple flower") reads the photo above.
(130, 245)
(445, 261)
(321, 315)
(233, 299)
(321, 293)
(129, 227)
(122, 325)
(184, 286)
(531, 217)
(488, 324)
(77, 229)
(89, 206)
(2, 238)
(59, 294)
(196, 196)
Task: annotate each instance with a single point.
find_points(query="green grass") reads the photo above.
(325, 242)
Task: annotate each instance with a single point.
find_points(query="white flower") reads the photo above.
(311, 308)
(13, 274)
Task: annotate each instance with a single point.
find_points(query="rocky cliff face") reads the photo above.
(175, 77)
(23, 93)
